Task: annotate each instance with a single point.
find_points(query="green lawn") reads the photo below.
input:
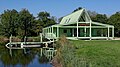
(98, 53)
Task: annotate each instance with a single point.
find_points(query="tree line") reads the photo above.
(23, 23)
(112, 20)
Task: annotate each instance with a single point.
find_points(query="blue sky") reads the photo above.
(60, 8)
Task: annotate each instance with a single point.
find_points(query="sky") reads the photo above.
(59, 8)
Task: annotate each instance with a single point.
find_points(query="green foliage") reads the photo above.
(46, 19)
(23, 23)
(100, 18)
(115, 20)
(37, 26)
(9, 22)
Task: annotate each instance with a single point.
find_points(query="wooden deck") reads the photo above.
(22, 45)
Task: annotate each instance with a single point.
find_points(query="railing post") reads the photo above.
(10, 40)
(10, 51)
(41, 37)
(90, 31)
(113, 32)
(23, 44)
(57, 31)
(77, 30)
(10, 45)
(25, 39)
(41, 51)
(108, 34)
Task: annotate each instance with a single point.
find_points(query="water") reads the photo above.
(19, 59)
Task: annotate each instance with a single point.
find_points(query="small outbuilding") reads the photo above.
(78, 25)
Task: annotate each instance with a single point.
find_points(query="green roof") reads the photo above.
(74, 17)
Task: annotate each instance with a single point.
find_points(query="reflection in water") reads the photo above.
(33, 57)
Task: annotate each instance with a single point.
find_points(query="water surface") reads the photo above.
(19, 58)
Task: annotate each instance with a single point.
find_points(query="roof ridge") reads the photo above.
(73, 12)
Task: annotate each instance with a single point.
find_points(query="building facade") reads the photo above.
(78, 25)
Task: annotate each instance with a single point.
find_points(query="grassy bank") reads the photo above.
(95, 53)
(98, 53)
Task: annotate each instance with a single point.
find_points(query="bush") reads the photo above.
(66, 54)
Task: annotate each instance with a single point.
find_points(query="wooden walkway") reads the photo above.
(22, 45)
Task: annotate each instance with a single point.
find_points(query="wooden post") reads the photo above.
(10, 45)
(77, 30)
(113, 32)
(50, 30)
(73, 32)
(46, 45)
(85, 32)
(10, 51)
(24, 51)
(10, 38)
(25, 39)
(90, 30)
(41, 52)
(41, 37)
(57, 31)
(53, 36)
(108, 33)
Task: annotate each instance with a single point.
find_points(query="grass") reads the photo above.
(98, 53)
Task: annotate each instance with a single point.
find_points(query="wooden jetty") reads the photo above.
(22, 45)
(49, 52)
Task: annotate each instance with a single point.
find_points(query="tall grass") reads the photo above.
(95, 53)
(66, 54)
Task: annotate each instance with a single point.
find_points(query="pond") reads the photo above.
(32, 58)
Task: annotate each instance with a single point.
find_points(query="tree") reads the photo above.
(44, 20)
(9, 22)
(37, 27)
(25, 23)
(100, 18)
(92, 13)
(115, 20)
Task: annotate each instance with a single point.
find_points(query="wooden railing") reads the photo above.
(50, 35)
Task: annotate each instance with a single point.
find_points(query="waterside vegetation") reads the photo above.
(86, 53)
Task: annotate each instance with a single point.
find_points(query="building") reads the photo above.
(78, 25)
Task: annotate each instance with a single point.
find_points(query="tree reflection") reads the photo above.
(19, 57)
